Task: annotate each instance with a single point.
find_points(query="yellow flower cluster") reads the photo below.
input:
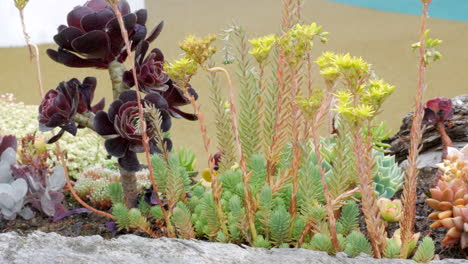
(181, 70)
(299, 40)
(362, 97)
(262, 47)
(198, 49)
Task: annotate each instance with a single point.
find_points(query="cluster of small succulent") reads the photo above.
(450, 202)
(449, 198)
(83, 151)
(32, 181)
(92, 185)
(388, 175)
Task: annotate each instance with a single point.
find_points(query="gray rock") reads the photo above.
(51, 248)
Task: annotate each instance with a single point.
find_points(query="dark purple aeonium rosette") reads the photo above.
(60, 106)
(438, 110)
(93, 37)
(150, 70)
(121, 126)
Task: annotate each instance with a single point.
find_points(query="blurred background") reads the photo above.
(382, 38)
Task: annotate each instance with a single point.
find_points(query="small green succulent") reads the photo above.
(388, 176)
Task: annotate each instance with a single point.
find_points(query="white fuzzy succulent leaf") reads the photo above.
(56, 181)
(7, 201)
(26, 213)
(20, 188)
(47, 205)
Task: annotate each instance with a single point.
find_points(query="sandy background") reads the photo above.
(381, 38)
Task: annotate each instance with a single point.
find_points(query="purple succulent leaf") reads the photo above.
(99, 106)
(155, 32)
(140, 52)
(8, 142)
(166, 122)
(114, 109)
(157, 100)
(142, 16)
(47, 205)
(438, 110)
(71, 60)
(113, 30)
(177, 113)
(124, 7)
(94, 45)
(70, 128)
(128, 96)
(117, 146)
(139, 34)
(102, 125)
(128, 79)
(130, 162)
(61, 216)
(97, 5)
(97, 20)
(56, 137)
(75, 16)
(66, 36)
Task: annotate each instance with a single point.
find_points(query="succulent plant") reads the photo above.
(455, 165)
(92, 185)
(388, 176)
(12, 191)
(450, 200)
(121, 122)
(390, 210)
(59, 106)
(94, 34)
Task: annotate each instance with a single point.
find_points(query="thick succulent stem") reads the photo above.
(446, 141)
(145, 139)
(129, 184)
(116, 71)
(85, 120)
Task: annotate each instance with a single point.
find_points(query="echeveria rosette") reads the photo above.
(59, 106)
(93, 38)
(438, 110)
(121, 126)
(150, 70)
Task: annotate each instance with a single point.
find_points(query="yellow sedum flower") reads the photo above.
(262, 47)
(182, 69)
(198, 49)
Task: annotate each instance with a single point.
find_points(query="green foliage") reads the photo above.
(357, 243)
(120, 212)
(322, 242)
(223, 122)
(388, 177)
(430, 52)
(262, 242)
(134, 218)
(348, 222)
(344, 161)
(116, 192)
(156, 212)
(249, 114)
(279, 223)
(392, 250)
(425, 251)
(187, 160)
(181, 217)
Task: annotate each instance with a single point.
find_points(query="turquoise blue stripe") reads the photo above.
(445, 9)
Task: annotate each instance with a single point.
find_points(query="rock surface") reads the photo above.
(50, 248)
